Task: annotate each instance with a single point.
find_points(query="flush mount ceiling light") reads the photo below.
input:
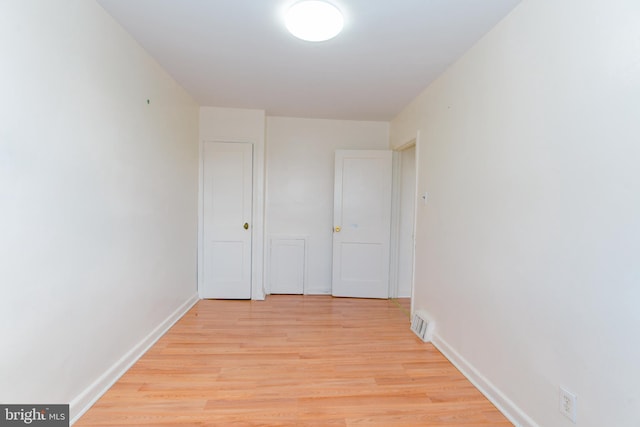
(314, 20)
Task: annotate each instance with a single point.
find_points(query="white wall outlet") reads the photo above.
(568, 404)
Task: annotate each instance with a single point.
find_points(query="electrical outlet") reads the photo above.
(568, 404)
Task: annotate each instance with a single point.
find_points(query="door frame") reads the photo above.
(257, 228)
(396, 203)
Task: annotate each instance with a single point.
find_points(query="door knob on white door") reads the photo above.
(246, 226)
(337, 229)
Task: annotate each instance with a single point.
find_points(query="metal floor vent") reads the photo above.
(422, 325)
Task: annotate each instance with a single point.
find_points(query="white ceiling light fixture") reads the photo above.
(314, 20)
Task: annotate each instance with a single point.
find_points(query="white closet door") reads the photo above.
(228, 174)
(362, 223)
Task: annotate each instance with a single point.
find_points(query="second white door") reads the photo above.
(227, 191)
(362, 223)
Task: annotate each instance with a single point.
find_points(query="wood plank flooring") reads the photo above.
(293, 361)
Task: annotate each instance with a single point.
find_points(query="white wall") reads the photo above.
(527, 253)
(242, 125)
(98, 201)
(300, 163)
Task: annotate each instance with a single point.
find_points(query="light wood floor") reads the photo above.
(293, 361)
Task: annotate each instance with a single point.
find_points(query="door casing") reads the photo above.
(395, 223)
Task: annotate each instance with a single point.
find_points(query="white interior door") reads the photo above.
(362, 223)
(228, 173)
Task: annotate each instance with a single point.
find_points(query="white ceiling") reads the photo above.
(237, 53)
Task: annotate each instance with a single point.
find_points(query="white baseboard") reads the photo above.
(490, 391)
(318, 291)
(81, 403)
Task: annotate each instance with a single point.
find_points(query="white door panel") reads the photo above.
(287, 266)
(228, 172)
(362, 223)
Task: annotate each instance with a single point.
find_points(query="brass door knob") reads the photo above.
(337, 229)
(246, 225)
